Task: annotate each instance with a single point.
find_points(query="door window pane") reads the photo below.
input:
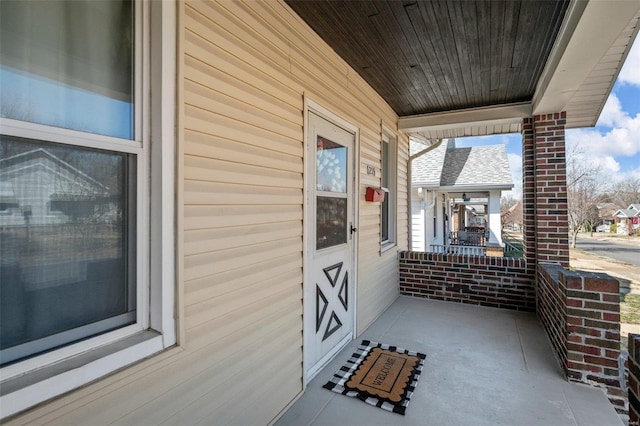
(67, 244)
(385, 164)
(385, 185)
(331, 221)
(385, 218)
(331, 166)
(69, 64)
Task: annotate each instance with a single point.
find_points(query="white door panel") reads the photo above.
(329, 315)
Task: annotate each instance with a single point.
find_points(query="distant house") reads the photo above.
(38, 188)
(628, 220)
(606, 212)
(456, 199)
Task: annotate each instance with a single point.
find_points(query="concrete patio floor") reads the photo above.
(484, 366)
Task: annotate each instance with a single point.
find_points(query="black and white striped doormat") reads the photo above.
(381, 375)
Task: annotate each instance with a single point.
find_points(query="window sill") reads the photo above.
(387, 246)
(22, 392)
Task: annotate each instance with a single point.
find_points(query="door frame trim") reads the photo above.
(312, 106)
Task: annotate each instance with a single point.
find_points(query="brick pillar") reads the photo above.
(528, 195)
(551, 216)
(593, 332)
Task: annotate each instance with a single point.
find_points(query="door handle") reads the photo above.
(353, 229)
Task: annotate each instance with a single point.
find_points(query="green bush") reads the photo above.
(613, 228)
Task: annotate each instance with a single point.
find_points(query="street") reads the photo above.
(620, 252)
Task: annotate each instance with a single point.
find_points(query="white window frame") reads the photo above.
(40, 378)
(391, 190)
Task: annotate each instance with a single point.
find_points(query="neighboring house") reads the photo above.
(238, 140)
(38, 188)
(606, 212)
(628, 220)
(456, 199)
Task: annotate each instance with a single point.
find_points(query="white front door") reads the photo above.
(330, 227)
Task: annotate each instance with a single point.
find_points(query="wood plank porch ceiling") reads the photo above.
(435, 56)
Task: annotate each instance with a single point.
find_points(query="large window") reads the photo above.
(75, 190)
(69, 64)
(388, 182)
(69, 242)
(68, 245)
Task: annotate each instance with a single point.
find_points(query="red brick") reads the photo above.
(592, 350)
(632, 382)
(576, 338)
(584, 313)
(609, 381)
(606, 297)
(601, 324)
(600, 361)
(575, 321)
(603, 343)
(576, 303)
(593, 368)
(613, 354)
(604, 285)
(609, 307)
(578, 366)
(611, 317)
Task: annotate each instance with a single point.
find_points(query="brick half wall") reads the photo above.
(480, 280)
(580, 312)
(552, 310)
(634, 379)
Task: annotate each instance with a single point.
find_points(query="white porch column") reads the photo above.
(495, 226)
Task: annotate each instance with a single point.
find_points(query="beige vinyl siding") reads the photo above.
(247, 68)
(417, 224)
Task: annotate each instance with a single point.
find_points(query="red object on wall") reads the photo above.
(374, 194)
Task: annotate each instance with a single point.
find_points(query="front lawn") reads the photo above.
(630, 308)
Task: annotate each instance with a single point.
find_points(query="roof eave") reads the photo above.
(567, 81)
(577, 78)
(458, 188)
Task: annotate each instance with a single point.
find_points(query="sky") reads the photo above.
(27, 96)
(613, 144)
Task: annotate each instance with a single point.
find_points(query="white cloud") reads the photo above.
(612, 114)
(622, 140)
(607, 163)
(515, 163)
(630, 174)
(629, 73)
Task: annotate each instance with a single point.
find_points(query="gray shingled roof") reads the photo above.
(427, 169)
(626, 213)
(475, 166)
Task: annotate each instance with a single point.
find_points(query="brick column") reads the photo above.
(528, 195)
(580, 312)
(551, 216)
(593, 332)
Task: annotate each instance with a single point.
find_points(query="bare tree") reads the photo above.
(627, 192)
(510, 211)
(507, 202)
(584, 187)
